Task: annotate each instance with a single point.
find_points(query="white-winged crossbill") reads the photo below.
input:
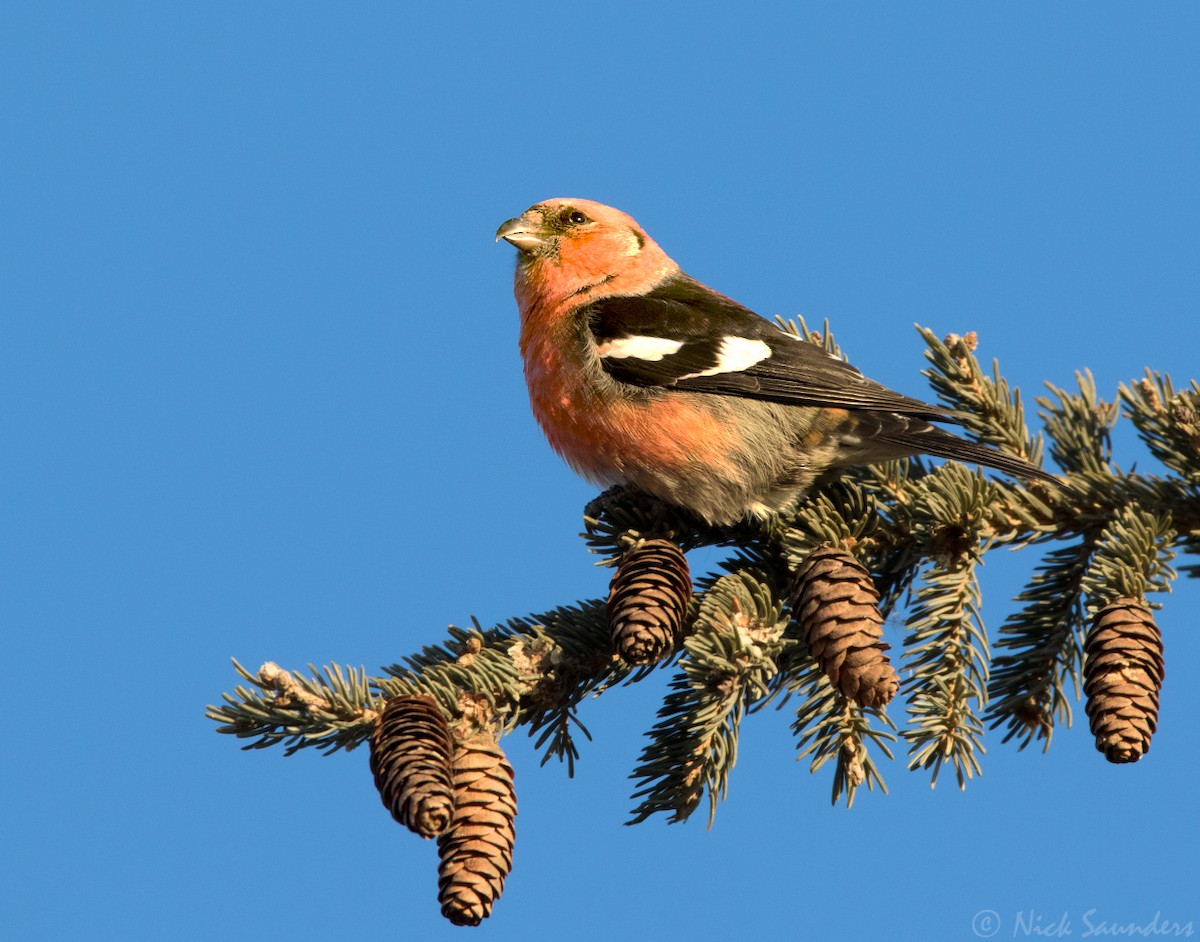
(639, 374)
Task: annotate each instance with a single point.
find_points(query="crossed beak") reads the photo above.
(522, 232)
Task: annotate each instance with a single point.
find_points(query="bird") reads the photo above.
(639, 374)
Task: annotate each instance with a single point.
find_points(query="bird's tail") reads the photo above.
(923, 438)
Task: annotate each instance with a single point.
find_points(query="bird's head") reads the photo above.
(573, 248)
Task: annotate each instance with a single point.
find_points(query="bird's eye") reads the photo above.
(575, 217)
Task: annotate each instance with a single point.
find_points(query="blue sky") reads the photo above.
(262, 399)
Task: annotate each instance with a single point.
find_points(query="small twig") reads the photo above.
(289, 693)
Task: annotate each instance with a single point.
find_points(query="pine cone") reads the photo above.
(1123, 672)
(476, 849)
(837, 607)
(410, 759)
(648, 600)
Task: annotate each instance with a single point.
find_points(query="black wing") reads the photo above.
(761, 362)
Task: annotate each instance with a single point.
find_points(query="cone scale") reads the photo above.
(411, 750)
(476, 848)
(836, 606)
(1123, 673)
(648, 600)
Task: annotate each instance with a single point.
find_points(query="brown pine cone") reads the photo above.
(476, 849)
(837, 607)
(1122, 675)
(410, 759)
(648, 600)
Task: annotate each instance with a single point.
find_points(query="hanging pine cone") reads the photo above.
(1123, 672)
(648, 600)
(410, 759)
(837, 607)
(476, 849)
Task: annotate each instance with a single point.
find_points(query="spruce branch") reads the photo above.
(987, 407)
(946, 647)
(728, 663)
(909, 533)
(1132, 558)
(331, 709)
(947, 661)
(1168, 422)
(562, 659)
(843, 514)
(1079, 426)
(823, 338)
(1041, 650)
(621, 518)
(831, 726)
